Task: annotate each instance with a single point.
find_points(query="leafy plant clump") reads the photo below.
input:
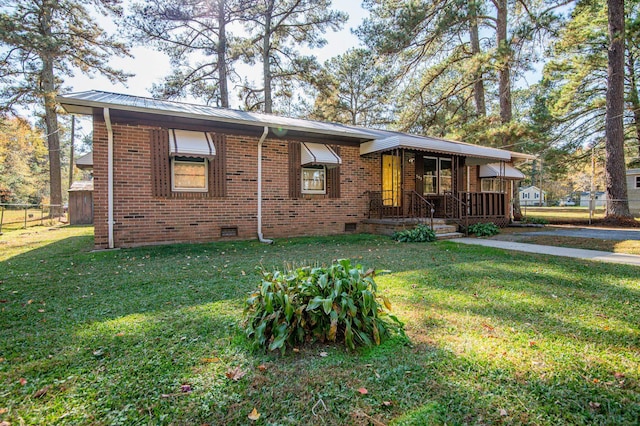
(337, 303)
(484, 229)
(419, 234)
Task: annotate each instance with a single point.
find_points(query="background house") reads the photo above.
(633, 190)
(530, 196)
(600, 199)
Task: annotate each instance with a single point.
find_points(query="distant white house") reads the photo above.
(600, 199)
(633, 190)
(530, 196)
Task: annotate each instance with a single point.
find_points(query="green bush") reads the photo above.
(535, 220)
(419, 234)
(484, 229)
(337, 303)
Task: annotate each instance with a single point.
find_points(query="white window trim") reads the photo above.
(313, 191)
(178, 189)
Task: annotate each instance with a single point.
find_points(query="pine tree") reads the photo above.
(42, 42)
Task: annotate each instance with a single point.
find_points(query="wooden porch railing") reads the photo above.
(466, 207)
(386, 204)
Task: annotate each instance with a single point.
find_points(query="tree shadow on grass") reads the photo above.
(122, 331)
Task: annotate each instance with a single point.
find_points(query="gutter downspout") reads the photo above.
(262, 138)
(107, 120)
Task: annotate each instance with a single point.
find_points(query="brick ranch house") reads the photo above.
(168, 172)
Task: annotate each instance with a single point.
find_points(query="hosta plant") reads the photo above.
(419, 234)
(337, 303)
(484, 229)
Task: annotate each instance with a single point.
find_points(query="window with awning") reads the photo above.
(318, 154)
(187, 143)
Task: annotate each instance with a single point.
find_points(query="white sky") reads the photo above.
(150, 66)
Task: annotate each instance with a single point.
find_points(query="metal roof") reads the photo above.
(85, 102)
(424, 143)
(372, 140)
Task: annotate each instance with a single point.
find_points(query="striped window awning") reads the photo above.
(506, 171)
(319, 154)
(186, 143)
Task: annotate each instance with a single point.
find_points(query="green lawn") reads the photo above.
(496, 337)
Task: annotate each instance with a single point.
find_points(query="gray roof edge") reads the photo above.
(260, 120)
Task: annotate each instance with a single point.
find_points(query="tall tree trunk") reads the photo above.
(504, 58)
(53, 138)
(48, 92)
(634, 100)
(266, 59)
(478, 85)
(222, 55)
(615, 177)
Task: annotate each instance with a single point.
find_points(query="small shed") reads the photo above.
(81, 203)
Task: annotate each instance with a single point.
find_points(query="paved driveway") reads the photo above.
(599, 233)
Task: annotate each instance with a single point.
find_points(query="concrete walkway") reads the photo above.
(600, 256)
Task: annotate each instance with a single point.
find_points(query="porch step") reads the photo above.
(449, 235)
(444, 229)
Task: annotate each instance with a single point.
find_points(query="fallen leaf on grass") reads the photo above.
(363, 391)
(594, 405)
(503, 412)
(23, 381)
(209, 360)
(185, 388)
(488, 327)
(618, 375)
(41, 310)
(323, 354)
(3, 410)
(387, 403)
(262, 367)
(235, 374)
(5, 423)
(532, 343)
(41, 392)
(119, 334)
(254, 415)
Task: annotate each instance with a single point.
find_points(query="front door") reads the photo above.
(391, 181)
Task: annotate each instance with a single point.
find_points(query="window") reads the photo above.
(314, 180)
(637, 182)
(430, 177)
(189, 174)
(493, 185)
(438, 175)
(446, 166)
(525, 195)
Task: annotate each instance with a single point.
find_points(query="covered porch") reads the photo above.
(426, 179)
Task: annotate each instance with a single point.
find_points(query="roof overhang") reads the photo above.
(476, 154)
(91, 102)
(500, 170)
(85, 162)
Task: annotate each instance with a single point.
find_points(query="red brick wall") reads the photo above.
(142, 219)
